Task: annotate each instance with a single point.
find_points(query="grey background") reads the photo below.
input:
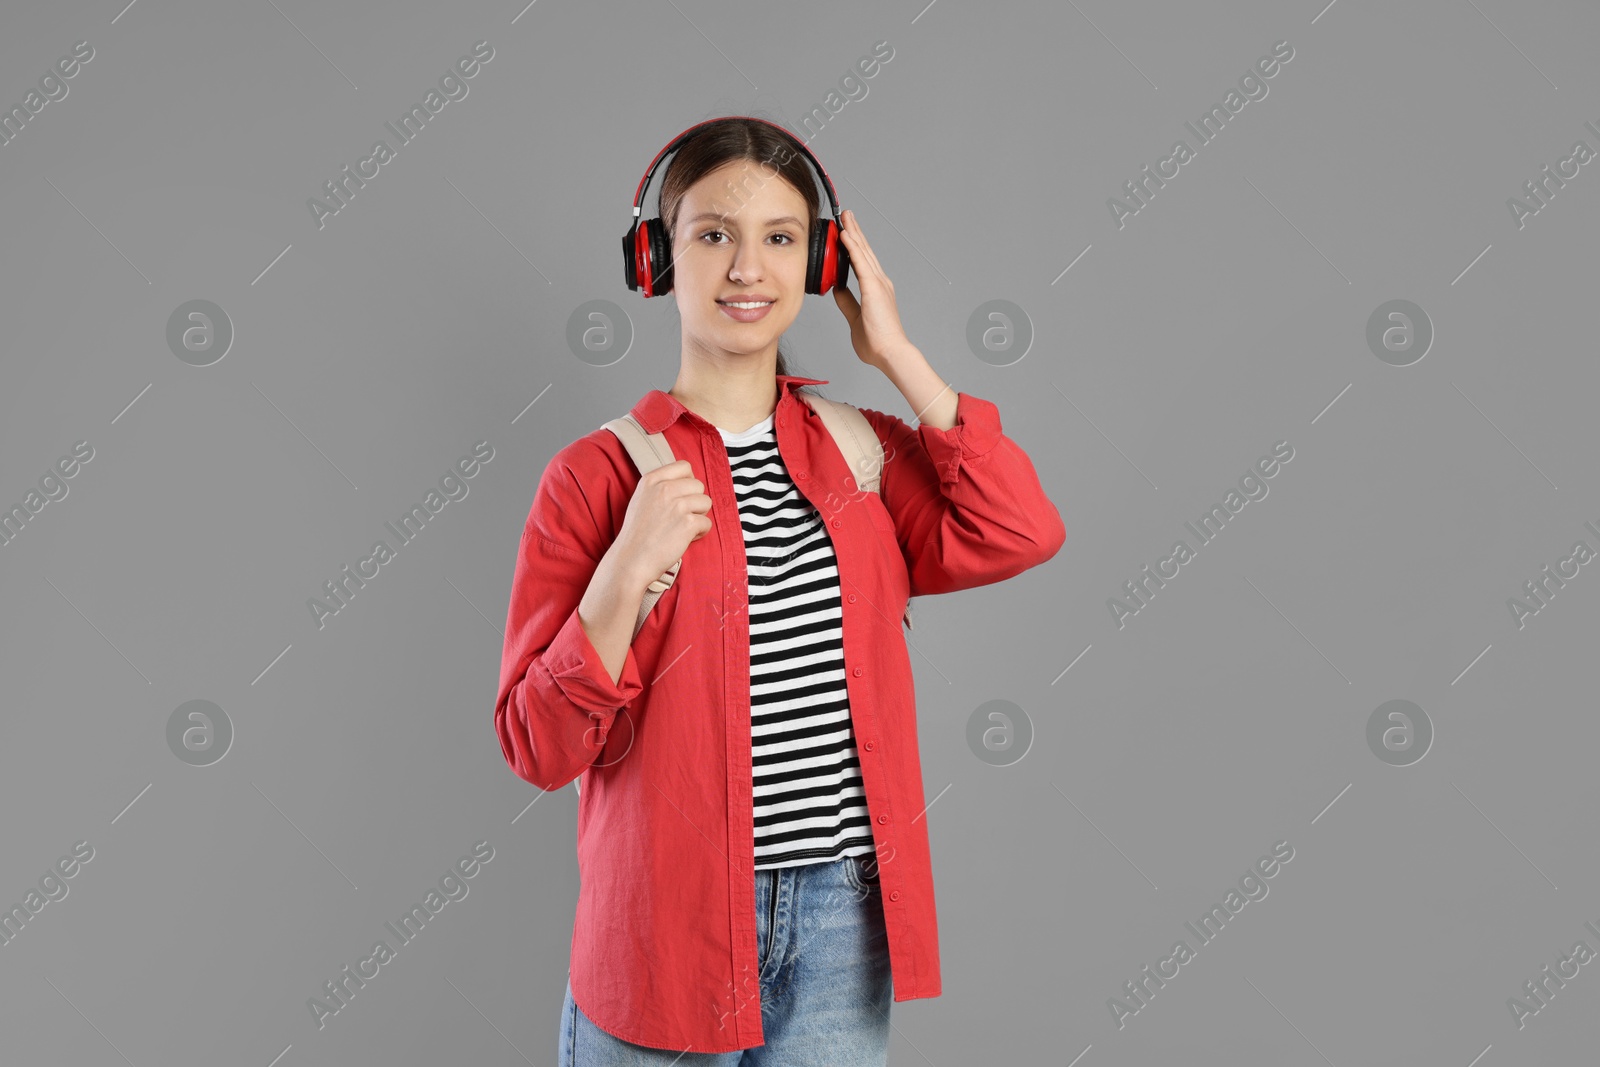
(1228, 314)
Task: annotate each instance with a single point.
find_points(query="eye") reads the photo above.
(787, 239)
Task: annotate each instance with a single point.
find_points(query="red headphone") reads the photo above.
(647, 249)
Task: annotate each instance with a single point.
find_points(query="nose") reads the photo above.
(747, 264)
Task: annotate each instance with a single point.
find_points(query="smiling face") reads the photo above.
(740, 237)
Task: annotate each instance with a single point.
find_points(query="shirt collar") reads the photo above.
(658, 409)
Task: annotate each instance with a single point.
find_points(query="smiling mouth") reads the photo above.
(745, 304)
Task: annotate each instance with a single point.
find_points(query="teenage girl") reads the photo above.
(756, 886)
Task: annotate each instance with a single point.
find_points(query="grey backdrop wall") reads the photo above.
(1371, 266)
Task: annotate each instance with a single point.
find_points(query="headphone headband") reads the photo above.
(638, 196)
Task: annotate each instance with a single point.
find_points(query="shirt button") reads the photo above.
(868, 746)
(856, 672)
(894, 895)
(801, 475)
(852, 598)
(883, 819)
(835, 524)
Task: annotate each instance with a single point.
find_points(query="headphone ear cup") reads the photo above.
(660, 249)
(630, 257)
(829, 264)
(841, 259)
(637, 254)
(816, 253)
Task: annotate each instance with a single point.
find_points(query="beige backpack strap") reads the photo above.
(858, 443)
(648, 451)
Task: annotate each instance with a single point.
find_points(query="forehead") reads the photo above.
(742, 189)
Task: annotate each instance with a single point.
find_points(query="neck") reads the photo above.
(732, 395)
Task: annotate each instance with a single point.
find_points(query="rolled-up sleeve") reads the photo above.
(974, 436)
(967, 504)
(556, 699)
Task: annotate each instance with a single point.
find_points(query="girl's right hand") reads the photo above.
(668, 512)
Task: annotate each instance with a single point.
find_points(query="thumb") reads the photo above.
(847, 302)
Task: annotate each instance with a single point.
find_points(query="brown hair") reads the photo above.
(736, 138)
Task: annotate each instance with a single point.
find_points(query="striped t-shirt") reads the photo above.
(808, 799)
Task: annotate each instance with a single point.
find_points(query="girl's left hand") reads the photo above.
(875, 330)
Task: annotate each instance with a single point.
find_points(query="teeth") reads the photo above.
(747, 304)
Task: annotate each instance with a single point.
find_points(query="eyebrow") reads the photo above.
(715, 217)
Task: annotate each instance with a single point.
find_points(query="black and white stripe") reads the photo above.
(808, 799)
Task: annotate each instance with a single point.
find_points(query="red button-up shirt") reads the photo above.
(664, 948)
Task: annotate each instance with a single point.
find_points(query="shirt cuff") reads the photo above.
(976, 432)
(576, 666)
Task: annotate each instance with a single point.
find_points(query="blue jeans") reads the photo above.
(825, 982)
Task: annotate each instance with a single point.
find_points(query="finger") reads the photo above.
(860, 250)
(862, 262)
(868, 271)
(847, 302)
